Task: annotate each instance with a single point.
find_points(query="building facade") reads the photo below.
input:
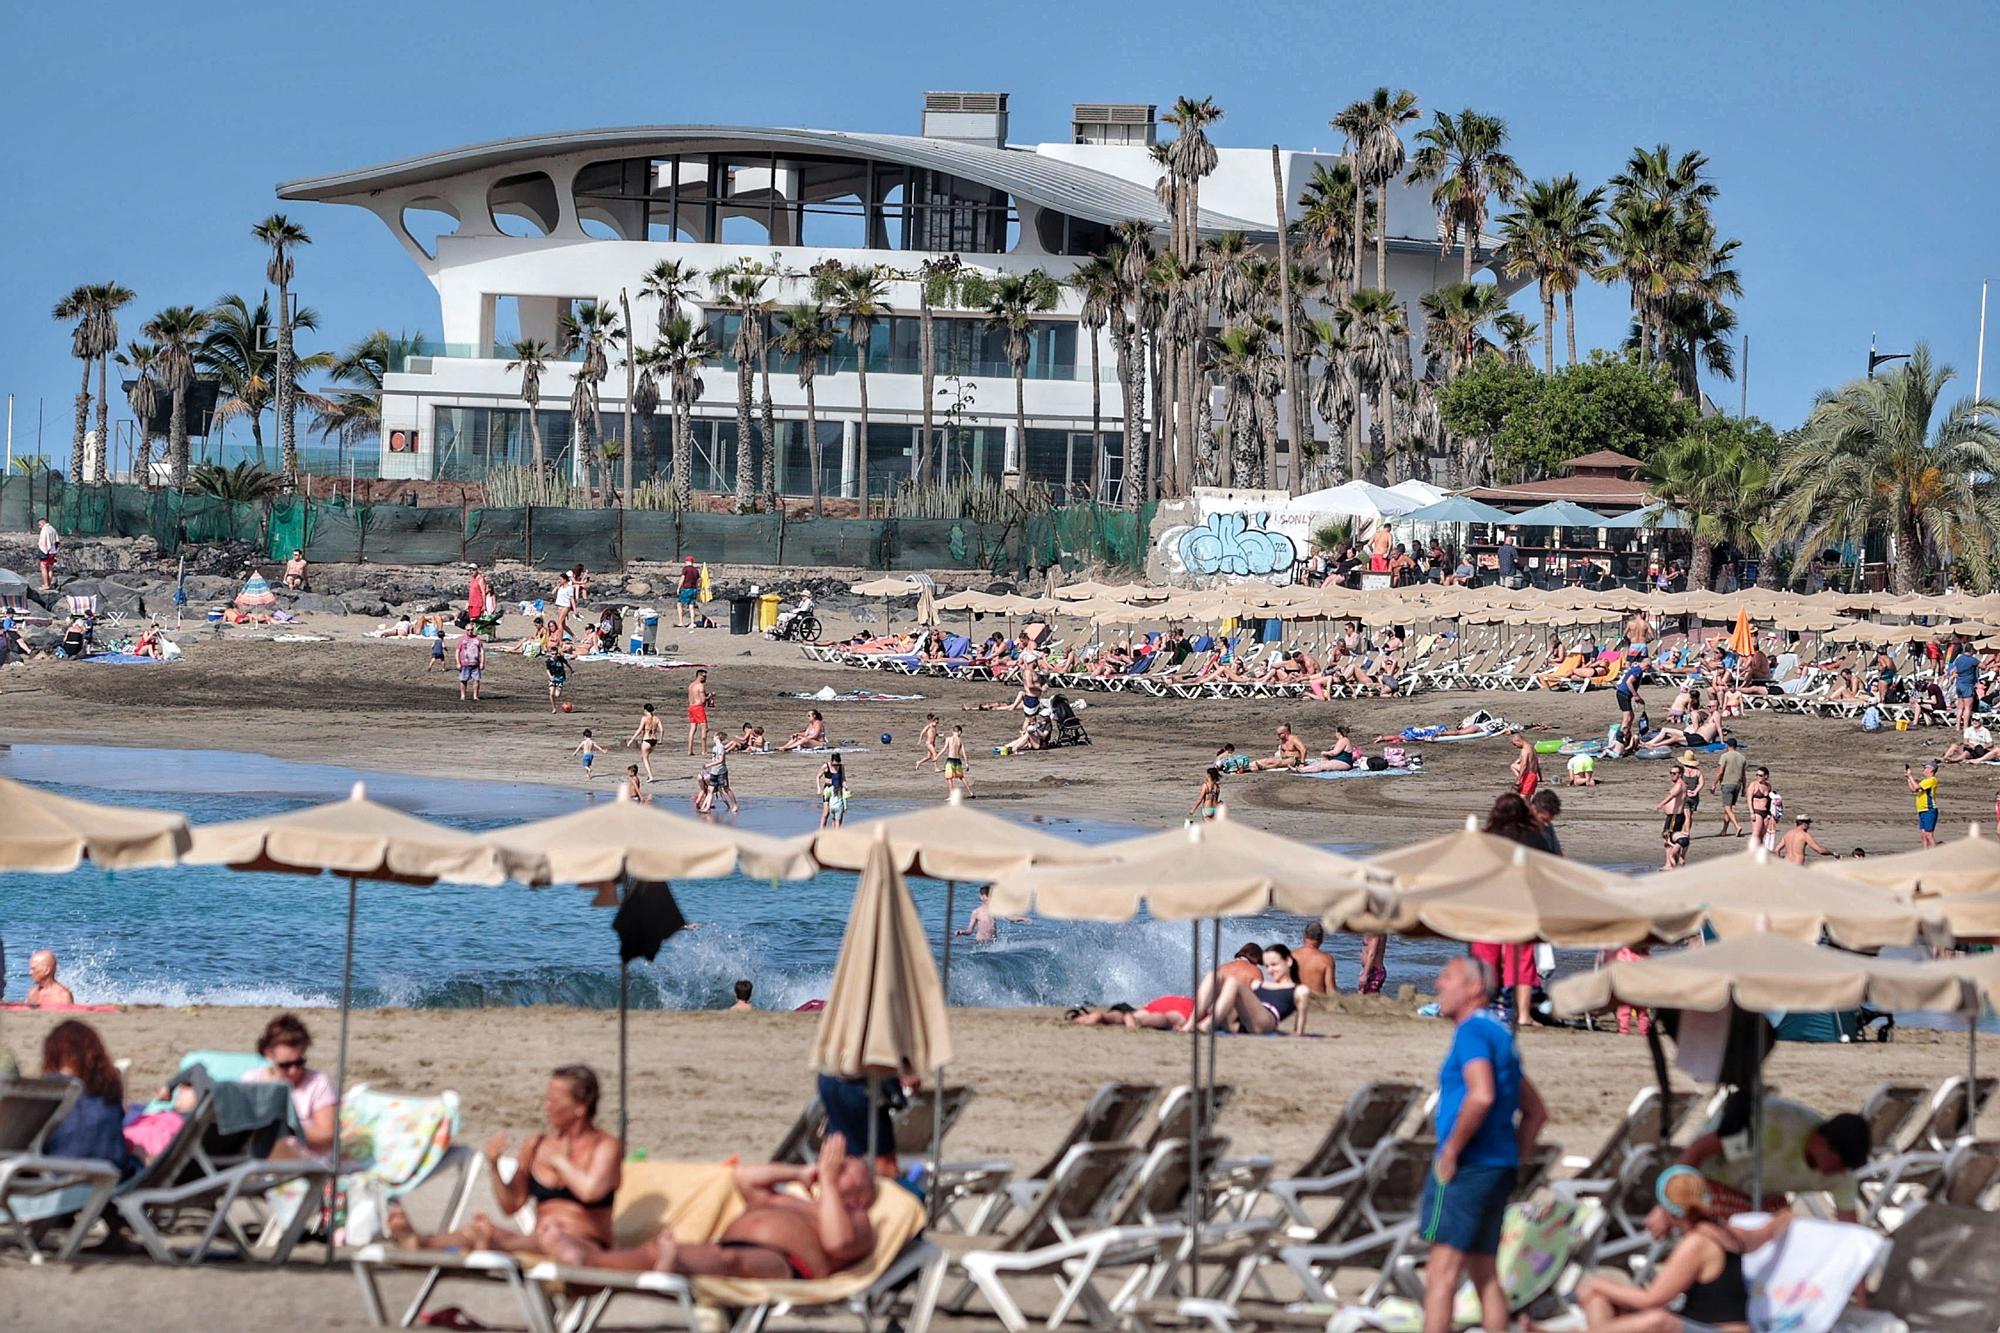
(514, 233)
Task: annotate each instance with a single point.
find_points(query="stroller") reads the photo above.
(1069, 727)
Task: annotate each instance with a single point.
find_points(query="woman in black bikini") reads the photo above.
(571, 1173)
(1263, 1008)
(1705, 1266)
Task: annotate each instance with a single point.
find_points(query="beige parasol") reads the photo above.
(949, 841)
(887, 587)
(623, 839)
(1758, 891)
(1762, 973)
(1472, 885)
(1212, 869)
(40, 830)
(885, 1014)
(1968, 917)
(1967, 865)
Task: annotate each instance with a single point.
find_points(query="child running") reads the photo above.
(713, 780)
(832, 793)
(586, 751)
(954, 763)
(929, 740)
(558, 669)
(437, 654)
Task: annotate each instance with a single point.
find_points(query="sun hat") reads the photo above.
(1688, 760)
(1681, 1188)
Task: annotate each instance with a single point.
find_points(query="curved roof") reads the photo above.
(1044, 181)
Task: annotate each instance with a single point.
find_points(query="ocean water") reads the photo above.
(202, 935)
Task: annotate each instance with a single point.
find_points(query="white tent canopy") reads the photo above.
(1421, 491)
(1354, 499)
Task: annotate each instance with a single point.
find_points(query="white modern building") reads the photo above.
(526, 227)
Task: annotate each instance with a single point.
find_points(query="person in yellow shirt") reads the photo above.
(1925, 789)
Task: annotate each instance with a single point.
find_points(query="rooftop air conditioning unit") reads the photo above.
(1120, 123)
(979, 118)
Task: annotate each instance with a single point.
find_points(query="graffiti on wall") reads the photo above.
(1231, 544)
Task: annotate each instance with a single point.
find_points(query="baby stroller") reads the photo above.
(1069, 727)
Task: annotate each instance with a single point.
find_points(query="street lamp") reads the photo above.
(1876, 358)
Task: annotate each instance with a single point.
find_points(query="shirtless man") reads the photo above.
(1639, 629)
(1795, 844)
(646, 738)
(1675, 829)
(954, 762)
(1315, 964)
(982, 925)
(1379, 546)
(44, 991)
(778, 1236)
(1527, 766)
(1291, 752)
(699, 698)
(1246, 968)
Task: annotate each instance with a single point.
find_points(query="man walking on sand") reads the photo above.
(47, 542)
(1729, 785)
(1488, 1118)
(954, 762)
(1795, 844)
(1925, 789)
(471, 660)
(1527, 766)
(685, 594)
(699, 699)
(1964, 668)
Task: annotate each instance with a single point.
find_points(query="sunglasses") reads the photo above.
(288, 1065)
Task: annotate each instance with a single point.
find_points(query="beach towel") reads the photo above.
(639, 660)
(826, 694)
(1801, 1282)
(122, 659)
(399, 1139)
(1360, 773)
(826, 749)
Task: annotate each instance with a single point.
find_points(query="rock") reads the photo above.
(210, 588)
(318, 603)
(436, 605)
(638, 588)
(363, 607)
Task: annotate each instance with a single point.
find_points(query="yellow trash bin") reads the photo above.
(767, 611)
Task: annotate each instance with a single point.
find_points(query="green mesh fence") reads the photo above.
(493, 535)
(942, 543)
(289, 527)
(16, 514)
(842, 543)
(205, 519)
(560, 538)
(334, 537)
(407, 535)
(652, 534)
(731, 539)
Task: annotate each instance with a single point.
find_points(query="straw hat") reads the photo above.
(1688, 760)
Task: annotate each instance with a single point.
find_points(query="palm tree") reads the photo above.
(1662, 243)
(940, 282)
(858, 294)
(1336, 395)
(683, 348)
(808, 339)
(672, 284)
(1247, 360)
(354, 414)
(1096, 281)
(176, 333)
(736, 286)
(76, 307)
(1326, 228)
(1516, 332)
(1132, 338)
(143, 393)
(1375, 327)
(1556, 235)
(106, 300)
(1869, 457)
(646, 403)
(1012, 301)
(1456, 316)
(232, 349)
(531, 358)
(627, 335)
(284, 236)
(1187, 159)
(1374, 130)
(589, 329)
(1466, 155)
(1701, 474)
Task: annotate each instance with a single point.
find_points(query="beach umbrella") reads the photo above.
(951, 842)
(1764, 974)
(1478, 886)
(1457, 509)
(1658, 516)
(1965, 865)
(1083, 590)
(885, 1013)
(256, 594)
(1209, 870)
(42, 831)
(359, 839)
(887, 587)
(1756, 891)
(622, 844)
(1967, 916)
(1559, 514)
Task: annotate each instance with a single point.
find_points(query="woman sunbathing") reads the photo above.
(812, 738)
(571, 1173)
(1262, 1008)
(1343, 755)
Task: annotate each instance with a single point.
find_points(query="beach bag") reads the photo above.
(1394, 756)
(1376, 763)
(1872, 719)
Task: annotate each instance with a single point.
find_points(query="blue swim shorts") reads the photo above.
(1466, 1214)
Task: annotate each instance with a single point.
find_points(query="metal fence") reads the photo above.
(548, 537)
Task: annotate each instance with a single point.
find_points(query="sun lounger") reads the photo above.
(1942, 1274)
(36, 1191)
(1370, 1116)
(1109, 1115)
(696, 1202)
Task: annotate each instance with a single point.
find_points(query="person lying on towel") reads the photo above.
(793, 1235)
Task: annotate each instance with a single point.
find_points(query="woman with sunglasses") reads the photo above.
(284, 1044)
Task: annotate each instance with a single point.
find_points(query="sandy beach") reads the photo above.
(707, 1084)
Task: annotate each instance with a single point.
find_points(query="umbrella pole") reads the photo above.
(1215, 952)
(1194, 1116)
(624, 1007)
(1972, 1067)
(340, 1063)
(937, 1075)
(1757, 1121)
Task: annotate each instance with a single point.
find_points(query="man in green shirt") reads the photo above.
(1803, 1152)
(1729, 785)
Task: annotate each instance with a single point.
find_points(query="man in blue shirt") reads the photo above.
(1488, 1115)
(1965, 682)
(1627, 686)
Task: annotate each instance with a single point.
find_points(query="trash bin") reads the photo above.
(649, 629)
(742, 611)
(767, 611)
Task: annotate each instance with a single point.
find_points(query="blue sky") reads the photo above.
(1853, 144)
